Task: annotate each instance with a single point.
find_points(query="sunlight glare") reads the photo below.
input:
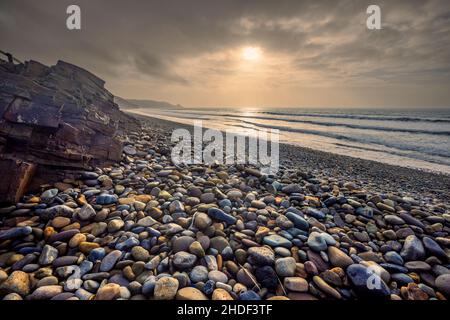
(251, 53)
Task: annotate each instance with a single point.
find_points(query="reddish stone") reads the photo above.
(16, 178)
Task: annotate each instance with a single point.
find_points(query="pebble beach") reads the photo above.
(324, 227)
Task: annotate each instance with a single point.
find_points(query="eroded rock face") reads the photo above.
(52, 119)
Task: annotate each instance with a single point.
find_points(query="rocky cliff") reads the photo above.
(54, 121)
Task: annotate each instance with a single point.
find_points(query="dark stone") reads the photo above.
(443, 284)
(338, 220)
(182, 243)
(261, 256)
(209, 286)
(106, 199)
(63, 236)
(184, 260)
(292, 188)
(365, 212)
(401, 278)
(315, 213)
(220, 215)
(317, 260)
(394, 267)
(366, 283)
(299, 222)
(28, 259)
(249, 295)
(413, 249)
(15, 233)
(65, 261)
(411, 220)
(275, 240)
(329, 202)
(434, 248)
(267, 277)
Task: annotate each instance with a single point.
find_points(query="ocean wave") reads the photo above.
(360, 117)
(353, 126)
(417, 156)
(328, 124)
(357, 139)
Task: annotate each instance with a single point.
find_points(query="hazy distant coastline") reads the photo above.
(126, 104)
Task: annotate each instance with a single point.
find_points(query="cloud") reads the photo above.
(154, 66)
(171, 48)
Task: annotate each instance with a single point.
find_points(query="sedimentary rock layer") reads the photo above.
(53, 118)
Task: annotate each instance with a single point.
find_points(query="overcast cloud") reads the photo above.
(314, 53)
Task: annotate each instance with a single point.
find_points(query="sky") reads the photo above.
(253, 53)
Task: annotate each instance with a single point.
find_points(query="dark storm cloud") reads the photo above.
(149, 39)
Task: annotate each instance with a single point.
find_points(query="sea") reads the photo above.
(415, 138)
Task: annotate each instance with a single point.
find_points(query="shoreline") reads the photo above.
(377, 176)
(146, 229)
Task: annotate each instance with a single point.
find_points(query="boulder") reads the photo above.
(54, 121)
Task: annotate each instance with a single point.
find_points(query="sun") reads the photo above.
(251, 53)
